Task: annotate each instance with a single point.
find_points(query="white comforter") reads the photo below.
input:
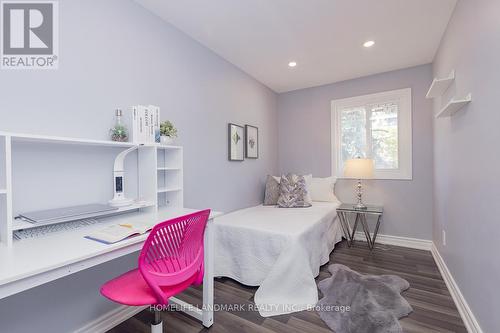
(278, 249)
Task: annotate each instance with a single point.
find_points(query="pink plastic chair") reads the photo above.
(170, 261)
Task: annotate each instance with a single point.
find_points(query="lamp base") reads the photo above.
(359, 193)
(120, 202)
(360, 205)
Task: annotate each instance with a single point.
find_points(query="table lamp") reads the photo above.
(119, 199)
(359, 168)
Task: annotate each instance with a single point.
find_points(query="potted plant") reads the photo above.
(119, 131)
(168, 132)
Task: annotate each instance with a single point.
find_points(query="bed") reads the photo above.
(278, 249)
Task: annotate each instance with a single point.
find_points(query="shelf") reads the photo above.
(169, 189)
(453, 106)
(168, 147)
(20, 224)
(16, 137)
(2, 191)
(157, 145)
(34, 138)
(168, 169)
(439, 86)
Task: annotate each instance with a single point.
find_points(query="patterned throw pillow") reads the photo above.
(272, 191)
(293, 192)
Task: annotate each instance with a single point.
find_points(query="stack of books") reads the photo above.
(144, 124)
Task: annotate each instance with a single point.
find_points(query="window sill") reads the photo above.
(380, 177)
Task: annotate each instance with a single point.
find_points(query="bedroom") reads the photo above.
(305, 87)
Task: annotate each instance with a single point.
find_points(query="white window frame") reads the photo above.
(404, 100)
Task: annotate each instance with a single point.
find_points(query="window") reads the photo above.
(376, 126)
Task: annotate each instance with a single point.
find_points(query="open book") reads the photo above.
(118, 232)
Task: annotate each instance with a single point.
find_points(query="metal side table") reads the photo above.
(343, 212)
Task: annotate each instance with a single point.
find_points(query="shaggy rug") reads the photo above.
(357, 303)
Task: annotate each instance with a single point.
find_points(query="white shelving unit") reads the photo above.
(157, 167)
(170, 176)
(453, 106)
(6, 187)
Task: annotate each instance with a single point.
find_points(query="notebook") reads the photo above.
(118, 232)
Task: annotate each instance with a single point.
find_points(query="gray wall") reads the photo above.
(467, 160)
(304, 147)
(114, 54)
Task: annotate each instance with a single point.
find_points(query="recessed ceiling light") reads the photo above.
(369, 43)
(292, 64)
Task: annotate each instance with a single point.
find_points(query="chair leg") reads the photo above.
(157, 325)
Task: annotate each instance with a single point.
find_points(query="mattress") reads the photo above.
(278, 249)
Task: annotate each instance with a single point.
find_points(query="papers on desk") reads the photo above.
(118, 232)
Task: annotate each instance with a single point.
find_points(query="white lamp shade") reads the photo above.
(358, 168)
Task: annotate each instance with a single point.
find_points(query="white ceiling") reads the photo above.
(324, 37)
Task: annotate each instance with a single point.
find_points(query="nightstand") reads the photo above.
(343, 212)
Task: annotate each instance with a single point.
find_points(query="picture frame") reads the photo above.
(236, 147)
(251, 142)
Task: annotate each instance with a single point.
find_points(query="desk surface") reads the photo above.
(31, 257)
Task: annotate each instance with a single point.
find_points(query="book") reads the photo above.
(134, 125)
(147, 124)
(156, 122)
(143, 123)
(118, 232)
(141, 133)
(151, 125)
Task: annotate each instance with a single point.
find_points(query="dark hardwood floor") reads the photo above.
(434, 310)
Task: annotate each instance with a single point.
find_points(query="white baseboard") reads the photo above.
(414, 243)
(110, 319)
(468, 317)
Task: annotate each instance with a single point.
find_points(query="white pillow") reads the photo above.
(308, 179)
(321, 189)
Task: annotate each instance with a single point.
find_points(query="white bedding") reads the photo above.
(278, 249)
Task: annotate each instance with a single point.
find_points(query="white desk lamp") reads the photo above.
(119, 199)
(359, 168)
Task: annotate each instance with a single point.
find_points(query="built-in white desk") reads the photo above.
(31, 262)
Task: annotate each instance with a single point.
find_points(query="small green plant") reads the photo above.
(168, 129)
(119, 133)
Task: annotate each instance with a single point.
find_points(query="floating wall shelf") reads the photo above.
(169, 189)
(439, 86)
(453, 106)
(3, 191)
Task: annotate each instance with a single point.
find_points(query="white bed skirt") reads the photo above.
(278, 249)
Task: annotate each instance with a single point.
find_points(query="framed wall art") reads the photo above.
(235, 142)
(251, 141)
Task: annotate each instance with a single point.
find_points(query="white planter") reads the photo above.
(166, 140)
